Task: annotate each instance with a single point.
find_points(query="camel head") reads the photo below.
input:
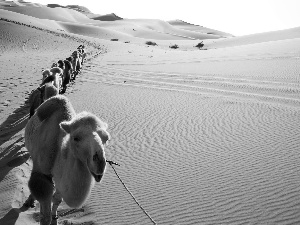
(54, 65)
(88, 136)
(45, 74)
(61, 64)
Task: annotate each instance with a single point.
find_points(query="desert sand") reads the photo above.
(202, 136)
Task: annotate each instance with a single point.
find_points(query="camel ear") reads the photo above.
(66, 126)
(104, 135)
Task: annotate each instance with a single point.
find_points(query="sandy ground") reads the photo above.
(202, 136)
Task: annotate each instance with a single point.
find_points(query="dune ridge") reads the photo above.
(107, 17)
(83, 17)
(188, 26)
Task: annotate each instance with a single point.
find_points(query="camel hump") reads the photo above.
(36, 92)
(50, 91)
(48, 79)
(54, 104)
(56, 70)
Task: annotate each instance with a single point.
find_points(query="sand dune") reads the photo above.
(107, 17)
(29, 20)
(7, 4)
(202, 136)
(142, 29)
(187, 26)
(153, 29)
(58, 14)
(259, 38)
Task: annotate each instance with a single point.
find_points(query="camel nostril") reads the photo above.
(95, 157)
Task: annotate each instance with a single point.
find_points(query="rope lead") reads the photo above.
(147, 214)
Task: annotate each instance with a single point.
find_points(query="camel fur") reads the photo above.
(39, 95)
(69, 65)
(81, 50)
(67, 150)
(76, 62)
(65, 75)
(57, 74)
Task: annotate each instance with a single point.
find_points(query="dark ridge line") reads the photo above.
(103, 17)
(184, 22)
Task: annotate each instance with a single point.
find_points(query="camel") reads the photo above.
(57, 73)
(39, 95)
(76, 63)
(34, 100)
(69, 63)
(67, 71)
(67, 150)
(49, 91)
(81, 50)
(65, 75)
(43, 92)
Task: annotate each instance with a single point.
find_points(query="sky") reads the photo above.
(237, 17)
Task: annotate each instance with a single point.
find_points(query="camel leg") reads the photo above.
(29, 203)
(45, 212)
(57, 199)
(41, 187)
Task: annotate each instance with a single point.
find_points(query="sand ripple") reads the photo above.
(284, 92)
(196, 149)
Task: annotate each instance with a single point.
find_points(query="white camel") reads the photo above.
(76, 62)
(67, 150)
(57, 73)
(81, 50)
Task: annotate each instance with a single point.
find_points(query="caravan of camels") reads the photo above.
(56, 79)
(67, 148)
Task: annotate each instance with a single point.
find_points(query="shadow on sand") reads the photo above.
(14, 123)
(10, 158)
(11, 155)
(11, 217)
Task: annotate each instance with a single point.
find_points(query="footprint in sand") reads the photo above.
(6, 103)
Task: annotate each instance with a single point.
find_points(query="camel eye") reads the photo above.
(76, 139)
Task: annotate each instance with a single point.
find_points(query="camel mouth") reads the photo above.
(97, 177)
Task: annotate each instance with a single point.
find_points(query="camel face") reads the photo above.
(88, 146)
(96, 161)
(87, 139)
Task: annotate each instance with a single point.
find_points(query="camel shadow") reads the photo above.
(12, 216)
(11, 157)
(14, 123)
